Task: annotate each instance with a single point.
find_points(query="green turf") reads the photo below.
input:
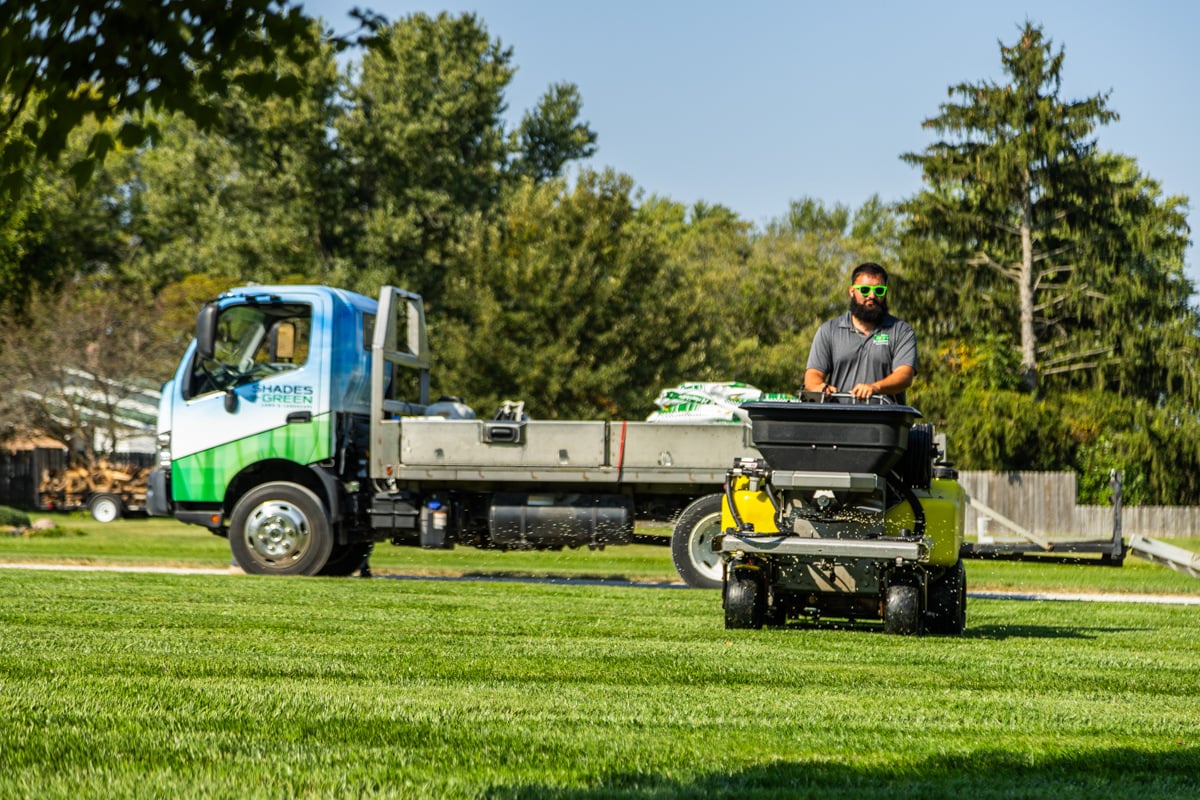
(146, 685)
(143, 542)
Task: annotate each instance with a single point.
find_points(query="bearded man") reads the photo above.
(865, 351)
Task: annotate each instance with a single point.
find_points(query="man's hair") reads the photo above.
(869, 268)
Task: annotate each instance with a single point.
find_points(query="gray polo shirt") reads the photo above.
(848, 357)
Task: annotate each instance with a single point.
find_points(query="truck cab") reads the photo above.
(275, 388)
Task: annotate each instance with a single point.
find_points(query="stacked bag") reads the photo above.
(708, 402)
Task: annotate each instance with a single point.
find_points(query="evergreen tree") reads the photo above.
(1048, 291)
(1008, 193)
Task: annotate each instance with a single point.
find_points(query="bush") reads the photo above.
(11, 517)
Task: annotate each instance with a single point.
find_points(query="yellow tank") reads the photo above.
(945, 507)
(753, 506)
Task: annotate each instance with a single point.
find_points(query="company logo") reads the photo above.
(881, 339)
(286, 395)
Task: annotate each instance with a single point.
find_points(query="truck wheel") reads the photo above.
(280, 529)
(345, 559)
(948, 602)
(902, 610)
(106, 507)
(691, 543)
(745, 600)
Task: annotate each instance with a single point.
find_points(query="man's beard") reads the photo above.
(872, 315)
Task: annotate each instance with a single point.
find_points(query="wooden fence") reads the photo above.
(1044, 503)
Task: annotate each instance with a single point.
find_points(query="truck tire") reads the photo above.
(691, 543)
(902, 610)
(280, 529)
(345, 559)
(106, 507)
(745, 600)
(948, 602)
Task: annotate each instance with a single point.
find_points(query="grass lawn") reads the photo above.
(157, 541)
(134, 685)
(150, 685)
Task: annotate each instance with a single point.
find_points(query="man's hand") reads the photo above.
(863, 391)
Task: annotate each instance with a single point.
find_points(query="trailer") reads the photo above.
(299, 425)
(107, 491)
(1105, 551)
(851, 512)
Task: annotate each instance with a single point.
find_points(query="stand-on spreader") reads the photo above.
(851, 513)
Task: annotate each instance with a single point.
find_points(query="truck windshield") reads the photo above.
(254, 340)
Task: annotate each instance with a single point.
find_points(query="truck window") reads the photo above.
(254, 340)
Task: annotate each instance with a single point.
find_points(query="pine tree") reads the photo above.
(1008, 194)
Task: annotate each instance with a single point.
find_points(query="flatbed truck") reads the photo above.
(299, 425)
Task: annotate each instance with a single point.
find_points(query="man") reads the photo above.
(866, 351)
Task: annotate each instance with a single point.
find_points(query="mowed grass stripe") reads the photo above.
(156, 685)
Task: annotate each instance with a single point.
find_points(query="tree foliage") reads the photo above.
(1047, 281)
(566, 287)
(567, 302)
(260, 197)
(57, 230)
(424, 140)
(64, 63)
(552, 135)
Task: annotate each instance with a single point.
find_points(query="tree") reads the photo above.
(1048, 288)
(425, 140)
(74, 359)
(424, 136)
(57, 231)
(1009, 190)
(260, 196)
(65, 62)
(552, 135)
(566, 301)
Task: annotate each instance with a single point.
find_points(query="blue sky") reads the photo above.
(755, 104)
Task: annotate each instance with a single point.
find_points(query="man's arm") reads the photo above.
(815, 381)
(820, 362)
(900, 379)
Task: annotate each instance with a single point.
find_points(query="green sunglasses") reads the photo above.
(867, 291)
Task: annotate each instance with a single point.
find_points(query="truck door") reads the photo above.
(259, 395)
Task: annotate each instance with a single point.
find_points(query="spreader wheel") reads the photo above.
(902, 610)
(745, 599)
(948, 602)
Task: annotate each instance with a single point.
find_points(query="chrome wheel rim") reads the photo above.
(700, 551)
(277, 532)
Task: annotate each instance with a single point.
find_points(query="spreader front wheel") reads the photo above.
(902, 610)
(745, 599)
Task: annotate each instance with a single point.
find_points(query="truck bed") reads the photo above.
(601, 452)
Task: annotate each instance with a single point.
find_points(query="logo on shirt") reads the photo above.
(880, 339)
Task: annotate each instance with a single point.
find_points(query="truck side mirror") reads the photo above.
(206, 331)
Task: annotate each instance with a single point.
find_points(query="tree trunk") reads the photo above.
(1029, 368)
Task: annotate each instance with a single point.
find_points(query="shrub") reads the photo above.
(11, 517)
